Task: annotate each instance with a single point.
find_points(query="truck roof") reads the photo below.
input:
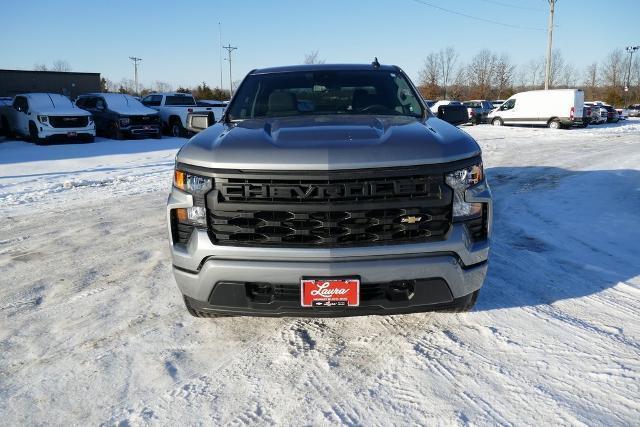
(324, 67)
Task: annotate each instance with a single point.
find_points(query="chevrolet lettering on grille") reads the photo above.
(402, 187)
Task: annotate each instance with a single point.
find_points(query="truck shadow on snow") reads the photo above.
(560, 234)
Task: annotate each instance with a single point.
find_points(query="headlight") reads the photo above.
(124, 121)
(43, 119)
(194, 184)
(460, 180)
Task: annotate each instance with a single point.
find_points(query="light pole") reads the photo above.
(230, 49)
(135, 71)
(547, 78)
(631, 50)
(220, 48)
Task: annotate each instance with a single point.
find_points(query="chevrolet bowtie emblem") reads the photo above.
(411, 219)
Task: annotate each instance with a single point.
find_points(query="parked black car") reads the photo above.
(119, 115)
(612, 114)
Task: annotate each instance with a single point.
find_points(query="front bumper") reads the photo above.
(219, 278)
(141, 130)
(53, 133)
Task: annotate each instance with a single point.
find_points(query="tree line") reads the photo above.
(201, 91)
(491, 75)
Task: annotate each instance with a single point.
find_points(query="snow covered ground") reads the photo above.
(93, 330)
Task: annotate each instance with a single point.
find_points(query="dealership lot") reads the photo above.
(93, 330)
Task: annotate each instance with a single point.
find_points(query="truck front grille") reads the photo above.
(347, 208)
(144, 120)
(68, 121)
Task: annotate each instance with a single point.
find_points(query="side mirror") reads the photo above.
(454, 114)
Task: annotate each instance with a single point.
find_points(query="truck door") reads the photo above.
(20, 122)
(508, 111)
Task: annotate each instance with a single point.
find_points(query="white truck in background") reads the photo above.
(174, 108)
(46, 117)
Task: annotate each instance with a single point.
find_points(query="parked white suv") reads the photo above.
(44, 117)
(174, 109)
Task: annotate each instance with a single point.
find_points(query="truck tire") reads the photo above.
(176, 129)
(3, 126)
(497, 122)
(115, 132)
(554, 124)
(33, 134)
(201, 314)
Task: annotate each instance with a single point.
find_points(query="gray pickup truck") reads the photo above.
(329, 190)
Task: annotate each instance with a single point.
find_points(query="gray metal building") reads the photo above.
(70, 84)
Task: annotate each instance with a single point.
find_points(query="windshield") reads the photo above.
(373, 92)
(121, 101)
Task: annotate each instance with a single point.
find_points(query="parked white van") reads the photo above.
(556, 108)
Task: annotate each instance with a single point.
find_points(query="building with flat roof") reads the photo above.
(66, 83)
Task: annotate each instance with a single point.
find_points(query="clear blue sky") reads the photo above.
(178, 40)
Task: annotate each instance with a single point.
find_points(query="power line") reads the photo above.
(512, 5)
(476, 17)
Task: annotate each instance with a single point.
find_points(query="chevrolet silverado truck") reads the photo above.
(46, 117)
(174, 109)
(329, 190)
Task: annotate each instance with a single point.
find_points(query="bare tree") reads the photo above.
(613, 68)
(127, 86)
(430, 73)
(480, 73)
(591, 75)
(557, 68)
(163, 87)
(535, 72)
(569, 75)
(312, 58)
(60, 65)
(39, 66)
(447, 59)
(503, 74)
(429, 76)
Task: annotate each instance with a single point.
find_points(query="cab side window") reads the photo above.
(508, 105)
(152, 100)
(20, 104)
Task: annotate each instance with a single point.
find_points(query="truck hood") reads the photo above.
(60, 111)
(328, 143)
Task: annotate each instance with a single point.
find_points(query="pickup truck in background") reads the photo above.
(120, 116)
(173, 109)
(478, 110)
(44, 117)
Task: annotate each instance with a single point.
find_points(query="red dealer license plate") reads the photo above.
(329, 292)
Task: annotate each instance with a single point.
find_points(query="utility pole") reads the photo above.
(230, 49)
(547, 77)
(631, 50)
(135, 72)
(220, 49)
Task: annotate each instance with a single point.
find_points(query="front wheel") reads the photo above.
(176, 129)
(497, 122)
(33, 134)
(115, 132)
